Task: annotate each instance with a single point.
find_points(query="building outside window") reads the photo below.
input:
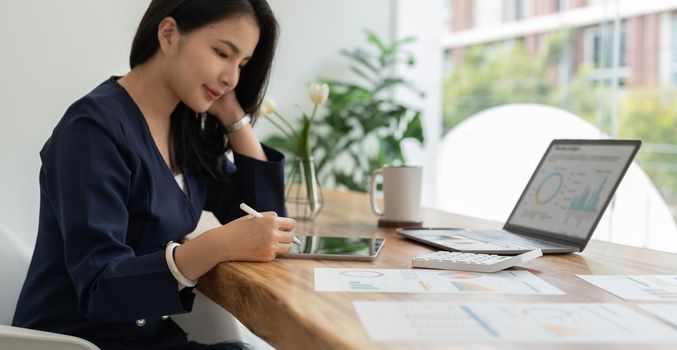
(561, 54)
(599, 51)
(517, 9)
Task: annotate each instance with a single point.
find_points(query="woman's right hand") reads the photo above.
(244, 239)
(253, 239)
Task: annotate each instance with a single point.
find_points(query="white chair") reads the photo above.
(16, 338)
(14, 259)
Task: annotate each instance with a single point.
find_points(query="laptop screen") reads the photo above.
(571, 187)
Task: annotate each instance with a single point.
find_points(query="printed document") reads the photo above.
(509, 322)
(637, 287)
(667, 313)
(430, 281)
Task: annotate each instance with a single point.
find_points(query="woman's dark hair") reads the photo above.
(191, 146)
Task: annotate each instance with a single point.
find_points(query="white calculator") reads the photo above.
(471, 261)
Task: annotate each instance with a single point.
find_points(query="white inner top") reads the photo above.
(180, 182)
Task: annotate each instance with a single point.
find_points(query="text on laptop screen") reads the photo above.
(570, 188)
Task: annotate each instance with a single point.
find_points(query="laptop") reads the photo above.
(558, 210)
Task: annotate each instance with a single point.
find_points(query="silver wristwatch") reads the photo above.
(238, 124)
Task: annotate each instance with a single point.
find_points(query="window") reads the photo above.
(517, 9)
(448, 62)
(598, 50)
(600, 2)
(448, 12)
(488, 12)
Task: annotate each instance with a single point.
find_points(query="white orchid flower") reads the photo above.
(318, 93)
(268, 107)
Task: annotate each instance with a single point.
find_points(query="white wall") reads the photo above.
(424, 21)
(53, 52)
(312, 33)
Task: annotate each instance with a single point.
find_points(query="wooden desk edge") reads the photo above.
(256, 315)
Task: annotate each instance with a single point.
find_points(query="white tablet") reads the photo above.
(335, 248)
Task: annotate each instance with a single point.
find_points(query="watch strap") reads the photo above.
(239, 124)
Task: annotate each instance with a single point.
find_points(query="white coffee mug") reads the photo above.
(401, 193)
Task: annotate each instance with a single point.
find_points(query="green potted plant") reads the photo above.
(359, 113)
(362, 113)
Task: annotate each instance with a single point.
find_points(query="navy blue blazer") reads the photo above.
(108, 203)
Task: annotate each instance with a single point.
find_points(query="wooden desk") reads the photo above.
(278, 302)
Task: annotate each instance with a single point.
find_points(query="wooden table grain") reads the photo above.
(277, 301)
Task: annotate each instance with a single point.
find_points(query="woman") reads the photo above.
(131, 166)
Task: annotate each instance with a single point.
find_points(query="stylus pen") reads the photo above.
(249, 210)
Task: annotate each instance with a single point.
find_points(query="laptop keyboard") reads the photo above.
(507, 239)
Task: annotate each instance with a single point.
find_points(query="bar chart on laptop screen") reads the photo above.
(570, 188)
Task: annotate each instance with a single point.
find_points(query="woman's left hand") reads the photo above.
(227, 109)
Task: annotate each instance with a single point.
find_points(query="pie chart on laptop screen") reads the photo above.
(549, 187)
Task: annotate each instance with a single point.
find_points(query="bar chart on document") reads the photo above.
(430, 281)
(570, 189)
(637, 287)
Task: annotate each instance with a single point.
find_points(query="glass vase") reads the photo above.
(303, 195)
